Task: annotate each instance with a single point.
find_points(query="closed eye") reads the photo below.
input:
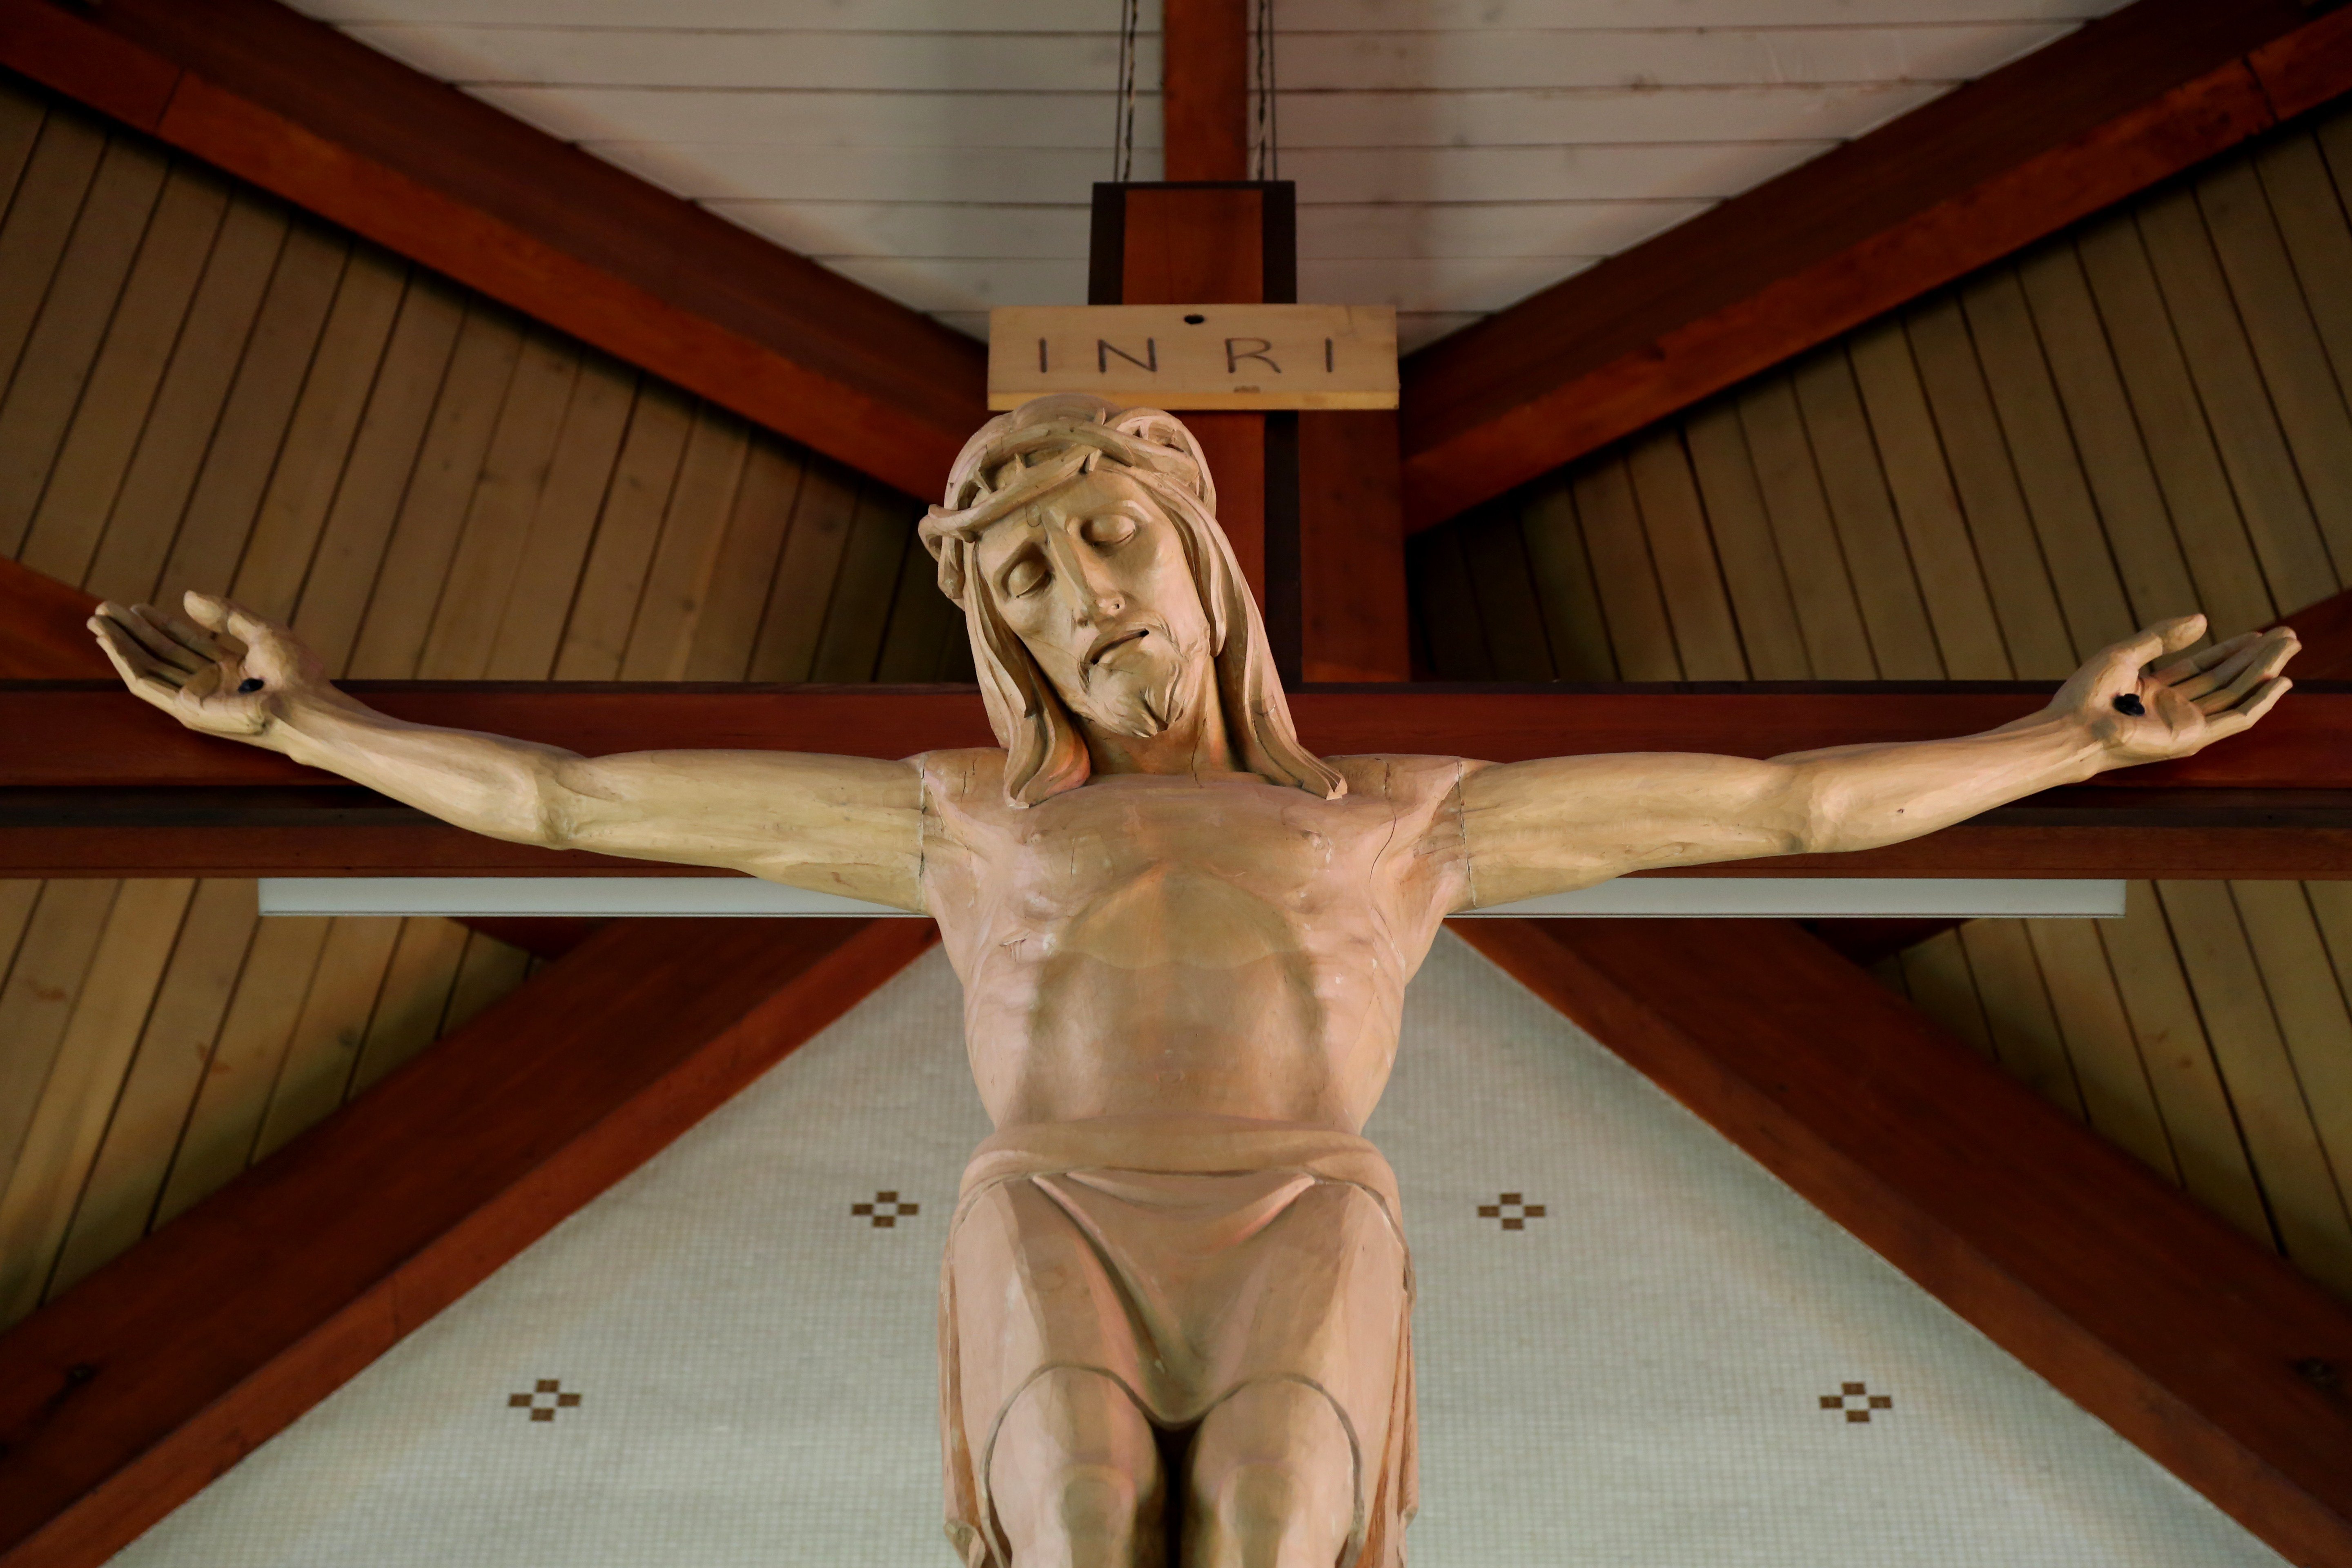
(1112, 529)
(1025, 576)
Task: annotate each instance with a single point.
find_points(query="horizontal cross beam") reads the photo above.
(95, 783)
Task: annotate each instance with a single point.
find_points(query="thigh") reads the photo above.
(1274, 1476)
(1074, 1476)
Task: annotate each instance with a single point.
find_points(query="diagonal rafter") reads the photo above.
(2087, 121)
(2205, 1351)
(124, 1396)
(289, 104)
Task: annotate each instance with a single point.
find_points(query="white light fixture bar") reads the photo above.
(1651, 896)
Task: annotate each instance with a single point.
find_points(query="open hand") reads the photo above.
(221, 670)
(2185, 705)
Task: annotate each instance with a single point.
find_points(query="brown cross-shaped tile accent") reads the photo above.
(1511, 1201)
(549, 1389)
(1857, 1402)
(886, 1210)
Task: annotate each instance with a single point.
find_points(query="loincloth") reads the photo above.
(1183, 1258)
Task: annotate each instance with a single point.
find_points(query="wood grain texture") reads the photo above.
(430, 174)
(219, 1330)
(2131, 1300)
(1972, 176)
(43, 635)
(1204, 89)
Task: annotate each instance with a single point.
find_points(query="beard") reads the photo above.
(1138, 688)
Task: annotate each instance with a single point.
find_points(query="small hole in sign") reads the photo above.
(1195, 320)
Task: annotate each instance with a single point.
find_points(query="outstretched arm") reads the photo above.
(1550, 826)
(837, 825)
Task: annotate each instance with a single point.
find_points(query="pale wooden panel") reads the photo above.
(785, 649)
(72, 323)
(252, 422)
(926, 629)
(37, 998)
(2049, 472)
(2308, 1002)
(324, 1047)
(2108, 1071)
(1753, 575)
(2221, 561)
(2245, 425)
(1870, 537)
(545, 578)
(1837, 638)
(1494, 554)
(679, 583)
(41, 213)
(2032, 629)
(1445, 613)
(1918, 472)
(597, 633)
(1639, 633)
(2311, 220)
(1689, 575)
(161, 473)
(1939, 977)
(728, 629)
(2273, 1112)
(514, 475)
(1575, 628)
(318, 442)
(122, 386)
(2286, 349)
(880, 533)
(119, 1200)
(69, 1117)
(399, 612)
(2017, 1011)
(357, 528)
(230, 1101)
(415, 997)
(487, 971)
(2106, 439)
(2199, 1122)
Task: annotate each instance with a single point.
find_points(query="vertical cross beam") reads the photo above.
(1204, 93)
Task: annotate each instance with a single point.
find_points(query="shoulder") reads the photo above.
(1405, 780)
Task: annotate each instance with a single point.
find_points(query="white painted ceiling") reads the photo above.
(1452, 156)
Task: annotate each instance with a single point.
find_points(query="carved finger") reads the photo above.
(2237, 655)
(2204, 659)
(2142, 648)
(132, 656)
(143, 623)
(2260, 663)
(2245, 716)
(211, 612)
(229, 615)
(145, 684)
(212, 649)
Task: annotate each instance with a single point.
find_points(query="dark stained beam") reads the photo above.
(418, 167)
(42, 634)
(1204, 90)
(2088, 121)
(2326, 630)
(67, 735)
(122, 1398)
(2204, 1349)
(1354, 622)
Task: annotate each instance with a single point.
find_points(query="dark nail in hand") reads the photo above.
(2129, 704)
(252, 683)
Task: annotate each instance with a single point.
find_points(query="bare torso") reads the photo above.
(1111, 966)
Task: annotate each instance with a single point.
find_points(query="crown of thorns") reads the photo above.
(1015, 458)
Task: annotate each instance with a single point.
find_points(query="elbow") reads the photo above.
(548, 820)
(1809, 819)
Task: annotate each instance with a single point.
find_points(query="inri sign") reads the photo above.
(1196, 357)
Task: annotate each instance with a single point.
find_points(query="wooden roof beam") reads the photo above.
(2200, 1347)
(2099, 115)
(123, 1397)
(417, 166)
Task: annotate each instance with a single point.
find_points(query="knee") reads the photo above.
(1073, 1477)
(1273, 1479)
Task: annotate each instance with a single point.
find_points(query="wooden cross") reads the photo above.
(167, 1365)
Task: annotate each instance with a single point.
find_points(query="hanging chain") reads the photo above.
(1123, 155)
(1269, 148)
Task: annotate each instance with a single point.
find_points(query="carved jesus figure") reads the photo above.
(1176, 1295)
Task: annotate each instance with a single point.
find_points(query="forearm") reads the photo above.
(484, 783)
(1858, 798)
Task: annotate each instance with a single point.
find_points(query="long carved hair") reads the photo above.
(1017, 457)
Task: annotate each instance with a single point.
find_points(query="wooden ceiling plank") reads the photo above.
(2195, 1345)
(123, 1397)
(417, 166)
(2071, 128)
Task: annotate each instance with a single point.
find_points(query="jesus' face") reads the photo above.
(1093, 578)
